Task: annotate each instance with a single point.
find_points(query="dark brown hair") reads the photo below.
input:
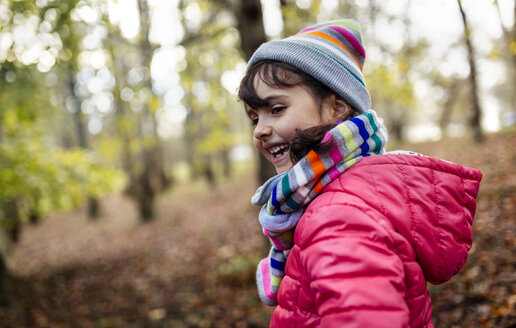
(282, 75)
(279, 75)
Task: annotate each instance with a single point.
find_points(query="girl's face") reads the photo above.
(275, 124)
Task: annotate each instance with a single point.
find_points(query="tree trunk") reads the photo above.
(34, 217)
(208, 171)
(12, 219)
(226, 163)
(4, 281)
(146, 198)
(250, 26)
(189, 138)
(476, 110)
(447, 107)
(82, 136)
(152, 155)
(396, 130)
(78, 117)
(123, 127)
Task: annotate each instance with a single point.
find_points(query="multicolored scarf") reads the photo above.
(285, 197)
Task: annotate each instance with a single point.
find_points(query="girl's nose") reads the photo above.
(262, 130)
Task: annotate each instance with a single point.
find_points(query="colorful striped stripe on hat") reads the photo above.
(331, 52)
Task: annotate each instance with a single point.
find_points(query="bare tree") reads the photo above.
(71, 42)
(79, 120)
(476, 109)
(152, 178)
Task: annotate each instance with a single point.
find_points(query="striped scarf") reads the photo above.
(284, 197)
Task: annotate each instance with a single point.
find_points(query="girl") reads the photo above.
(356, 232)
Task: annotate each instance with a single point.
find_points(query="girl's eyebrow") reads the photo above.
(264, 102)
(274, 97)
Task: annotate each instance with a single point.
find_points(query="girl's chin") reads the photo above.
(282, 164)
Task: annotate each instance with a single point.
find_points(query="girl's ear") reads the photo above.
(335, 109)
(342, 109)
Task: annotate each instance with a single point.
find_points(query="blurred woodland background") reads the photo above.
(126, 166)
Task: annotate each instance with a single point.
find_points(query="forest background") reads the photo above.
(126, 164)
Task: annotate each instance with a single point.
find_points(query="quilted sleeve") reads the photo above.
(356, 279)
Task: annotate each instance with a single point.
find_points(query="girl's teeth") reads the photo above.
(275, 149)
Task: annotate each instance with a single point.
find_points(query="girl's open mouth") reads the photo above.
(279, 153)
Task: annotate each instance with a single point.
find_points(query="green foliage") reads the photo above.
(88, 171)
(37, 176)
(20, 105)
(208, 129)
(388, 88)
(39, 179)
(295, 18)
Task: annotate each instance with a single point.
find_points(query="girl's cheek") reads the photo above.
(256, 144)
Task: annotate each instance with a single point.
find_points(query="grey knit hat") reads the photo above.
(331, 52)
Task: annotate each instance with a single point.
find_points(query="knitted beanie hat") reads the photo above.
(331, 52)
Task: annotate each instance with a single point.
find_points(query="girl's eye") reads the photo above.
(278, 109)
(254, 120)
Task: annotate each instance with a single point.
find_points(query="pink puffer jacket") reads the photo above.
(365, 247)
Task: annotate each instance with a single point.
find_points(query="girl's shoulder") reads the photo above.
(413, 163)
